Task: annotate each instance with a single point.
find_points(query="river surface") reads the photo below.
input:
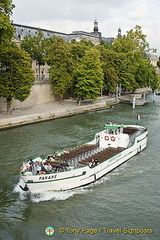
(127, 198)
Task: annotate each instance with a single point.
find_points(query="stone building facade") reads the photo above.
(22, 30)
(95, 37)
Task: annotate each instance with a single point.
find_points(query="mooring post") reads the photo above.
(154, 96)
(144, 96)
(134, 102)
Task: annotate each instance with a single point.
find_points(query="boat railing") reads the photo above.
(134, 135)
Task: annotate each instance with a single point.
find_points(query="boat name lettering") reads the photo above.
(48, 177)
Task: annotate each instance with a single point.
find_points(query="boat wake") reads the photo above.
(17, 189)
(56, 196)
(53, 195)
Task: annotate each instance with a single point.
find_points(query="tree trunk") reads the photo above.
(60, 99)
(79, 102)
(39, 72)
(9, 103)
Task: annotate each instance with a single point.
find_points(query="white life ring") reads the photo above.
(113, 138)
(106, 138)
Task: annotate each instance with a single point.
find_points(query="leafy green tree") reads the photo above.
(36, 48)
(158, 63)
(16, 76)
(108, 58)
(153, 78)
(78, 49)
(125, 68)
(89, 75)
(133, 67)
(142, 73)
(6, 29)
(59, 58)
(134, 42)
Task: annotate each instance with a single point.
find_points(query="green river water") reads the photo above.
(123, 205)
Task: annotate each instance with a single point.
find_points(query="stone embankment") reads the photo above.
(51, 110)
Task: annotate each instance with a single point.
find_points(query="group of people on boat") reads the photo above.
(93, 162)
(42, 167)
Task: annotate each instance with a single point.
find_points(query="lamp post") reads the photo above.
(101, 91)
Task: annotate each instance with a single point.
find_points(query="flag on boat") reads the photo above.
(139, 117)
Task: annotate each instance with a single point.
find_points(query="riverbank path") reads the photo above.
(52, 110)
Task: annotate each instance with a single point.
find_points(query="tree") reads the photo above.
(35, 47)
(6, 29)
(108, 58)
(142, 74)
(59, 58)
(16, 76)
(133, 67)
(134, 42)
(125, 68)
(153, 78)
(158, 63)
(89, 75)
(78, 49)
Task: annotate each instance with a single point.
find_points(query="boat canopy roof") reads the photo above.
(113, 127)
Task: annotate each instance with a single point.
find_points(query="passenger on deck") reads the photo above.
(51, 158)
(22, 170)
(31, 162)
(65, 165)
(48, 167)
(28, 167)
(43, 168)
(92, 163)
(32, 166)
(96, 161)
(57, 169)
(39, 168)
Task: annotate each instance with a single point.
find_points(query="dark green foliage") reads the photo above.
(6, 29)
(16, 76)
(60, 61)
(35, 47)
(89, 75)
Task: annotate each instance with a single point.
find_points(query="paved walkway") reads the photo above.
(51, 110)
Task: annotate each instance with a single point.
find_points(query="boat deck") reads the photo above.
(130, 130)
(84, 154)
(102, 155)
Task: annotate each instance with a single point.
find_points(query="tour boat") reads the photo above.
(84, 164)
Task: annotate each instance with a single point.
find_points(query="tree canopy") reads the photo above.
(35, 47)
(59, 58)
(6, 29)
(86, 68)
(16, 76)
(89, 75)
